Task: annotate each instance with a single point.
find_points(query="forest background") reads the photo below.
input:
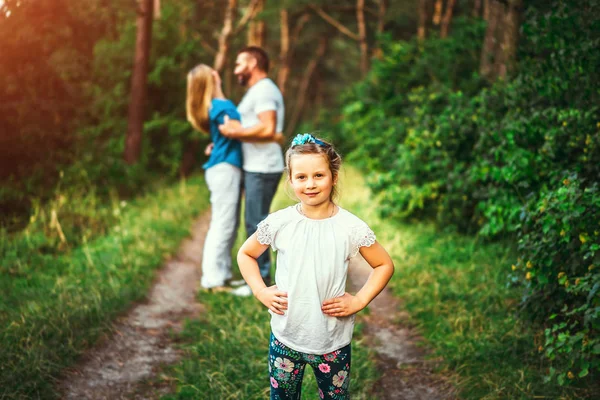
(479, 115)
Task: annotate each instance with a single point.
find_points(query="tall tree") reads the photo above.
(510, 38)
(476, 8)
(437, 12)
(381, 18)
(422, 27)
(256, 29)
(305, 84)
(230, 15)
(362, 37)
(225, 35)
(501, 37)
(447, 18)
(288, 45)
(284, 53)
(486, 9)
(135, 123)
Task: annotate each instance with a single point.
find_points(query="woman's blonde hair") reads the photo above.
(200, 88)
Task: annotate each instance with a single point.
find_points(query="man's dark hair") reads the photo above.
(262, 59)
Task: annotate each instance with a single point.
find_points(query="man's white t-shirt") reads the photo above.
(264, 95)
(312, 266)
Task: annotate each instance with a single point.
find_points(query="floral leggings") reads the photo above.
(286, 369)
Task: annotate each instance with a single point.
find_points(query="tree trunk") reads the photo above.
(510, 39)
(256, 29)
(381, 16)
(318, 98)
(486, 9)
(476, 8)
(362, 37)
(137, 103)
(284, 65)
(304, 85)
(422, 29)
(328, 18)
(490, 43)
(157, 7)
(437, 12)
(286, 59)
(191, 147)
(225, 35)
(447, 18)
(377, 52)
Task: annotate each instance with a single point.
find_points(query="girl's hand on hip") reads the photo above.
(342, 306)
(274, 299)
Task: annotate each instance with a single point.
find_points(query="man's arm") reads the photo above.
(265, 130)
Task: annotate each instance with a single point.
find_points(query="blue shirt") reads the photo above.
(225, 149)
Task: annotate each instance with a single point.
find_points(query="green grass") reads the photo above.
(226, 350)
(58, 296)
(456, 292)
(64, 278)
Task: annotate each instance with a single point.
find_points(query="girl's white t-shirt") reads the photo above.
(312, 266)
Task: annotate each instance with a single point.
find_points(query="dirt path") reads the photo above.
(406, 375)
(122, 366)
(125, 365)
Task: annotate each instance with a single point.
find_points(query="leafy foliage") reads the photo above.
(559, 248)
(490, 159)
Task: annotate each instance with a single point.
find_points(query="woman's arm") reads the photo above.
(273, 298)
(383, 269)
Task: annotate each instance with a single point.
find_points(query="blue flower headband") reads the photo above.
(303, 138)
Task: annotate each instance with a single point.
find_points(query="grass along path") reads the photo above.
(456, 294)
(122, 366)
(453, 289)
(56, 299)
(227, 349)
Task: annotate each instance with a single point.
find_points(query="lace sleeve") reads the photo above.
(266, 230)
(361, 236)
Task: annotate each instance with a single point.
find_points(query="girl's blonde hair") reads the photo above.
(200, 88)
(318, 146)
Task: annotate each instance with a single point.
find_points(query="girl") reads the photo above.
(312, 317)
(206, 108)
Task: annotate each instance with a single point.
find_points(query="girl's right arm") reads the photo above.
(273, 298)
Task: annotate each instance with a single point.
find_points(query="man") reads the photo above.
(262, 111)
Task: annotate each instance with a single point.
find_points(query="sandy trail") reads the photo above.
(123, 365)
(406, 373)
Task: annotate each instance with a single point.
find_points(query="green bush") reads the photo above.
(560, 253)
(486, 159)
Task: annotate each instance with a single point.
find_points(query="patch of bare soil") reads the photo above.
(406, 374)
(123, 365)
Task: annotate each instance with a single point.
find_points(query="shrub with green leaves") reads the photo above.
(560, 253)
(440, 144)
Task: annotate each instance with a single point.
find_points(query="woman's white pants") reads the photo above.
(224, 182)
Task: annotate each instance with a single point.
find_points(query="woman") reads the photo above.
(207, 107)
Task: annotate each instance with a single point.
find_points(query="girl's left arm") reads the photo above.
(383, 269)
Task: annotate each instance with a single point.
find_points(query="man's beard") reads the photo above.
(243, 78)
